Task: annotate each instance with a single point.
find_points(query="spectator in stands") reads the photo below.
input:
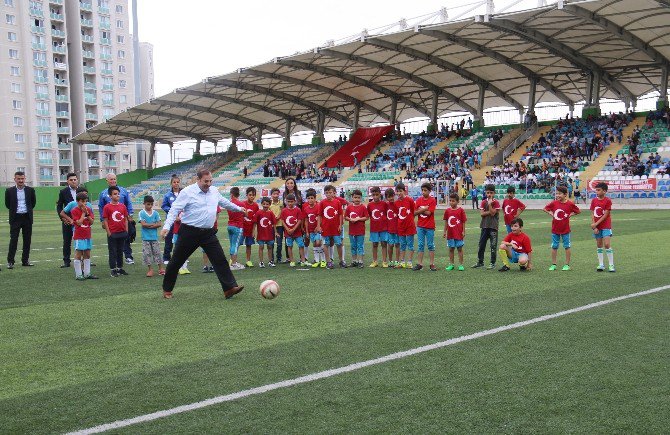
(168, 199)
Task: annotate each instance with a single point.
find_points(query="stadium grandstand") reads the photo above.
(571, 53)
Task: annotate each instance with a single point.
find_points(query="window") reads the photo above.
(13, 54)
(9, 3)
(18, 138)
(41, 105)
(120, 39)
(123, 99)
(122, 68)
(40, 73)
(44, 155)
(119, 9)
(122, 84)
(20, 155)
(11, 36)
(122, 54)
(41, 89)
(119, 24)
(21, 169)
(126, 157)
(18, 121)
(16, 88)
(11, 19)
(14, 71)
(105, 34)
(39, 56)
(16, 104)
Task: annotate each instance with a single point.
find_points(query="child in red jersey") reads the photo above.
(235, 228)
(560, 211)
(425, 210)
(378, 225)
(392, 217)
(82, 217)
(454, 231)
(115, 216)
(265, 222)
(512, 208)
(406, 228)
(356, 214)
(310, 210)
(329, 224)
(343, 203)
(516, 247)
(248, 226)
(293, 223)
(601, 224)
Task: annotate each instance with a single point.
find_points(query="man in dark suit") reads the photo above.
(66, 196)
(20, 200)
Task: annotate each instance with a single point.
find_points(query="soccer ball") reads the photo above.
(269, 289)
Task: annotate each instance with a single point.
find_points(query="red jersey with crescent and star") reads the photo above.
(292, 218)
(236, 218)
(81, 231)
(392, 218)
(405, 216)
(424, 221)
(560, 224)
(265, 225)
(343, 202)
(252, 209)
(378, 220)
(330, 212)
(310, 213)
(520, 242)
(456, 219)
(510, 206)
(598, 208)
(353, 211)
(116, 215)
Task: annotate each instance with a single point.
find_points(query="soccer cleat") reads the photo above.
(450, 267)
(211, 269)
(323, 264)
(400, 265)
(184, 272)
(343, 265)
(600, 268)
(122, 272)
(612, 269)
(504, 268)
(10, 265)
(130, 260)
(523, 268)
(330, 265)
(261, 265)
(461, 268)
(305, 263)
(90, 277)
(292, 264)
(272, 264)
(374, 264)
(250, 264)
(553, 267)
(409, 265)
(385, 265)
(433, 268)
(566, 267)
(113, 273)
(354, 264)
(316, 264)
(491, 266)
(205, 269)
(477, 265)
(80, 278)
(417, 267)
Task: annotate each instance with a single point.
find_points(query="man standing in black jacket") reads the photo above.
(66, 196)
(20, 200)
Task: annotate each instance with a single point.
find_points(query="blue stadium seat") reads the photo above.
(636, 195)
(666, 195)
(643, 195)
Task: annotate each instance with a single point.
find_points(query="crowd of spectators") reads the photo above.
(290, 168)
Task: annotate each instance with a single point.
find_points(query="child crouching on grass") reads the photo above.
(516, 247)
(150, 221)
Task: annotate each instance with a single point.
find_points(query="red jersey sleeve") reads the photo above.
(508, 238)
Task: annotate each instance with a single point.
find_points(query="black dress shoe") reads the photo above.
(28, 264)
(10, 265)
(64, 265)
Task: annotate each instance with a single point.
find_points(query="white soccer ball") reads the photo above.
(269, 289)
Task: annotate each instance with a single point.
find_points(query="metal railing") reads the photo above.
(527, 134)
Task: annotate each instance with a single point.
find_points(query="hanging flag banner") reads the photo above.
(359, 146)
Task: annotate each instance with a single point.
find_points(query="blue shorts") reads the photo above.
(392, 239)
(315, 237)
(515, 257)
(357, 245)
(406, 243)
(455, 243)
(509, 228)
(602, 234)
(83, 245)
(247, 240)
(426, 236)
(299, 240)
(335, 240)
(381, 236)
(266, 242)
(234, 235)
(556, 239)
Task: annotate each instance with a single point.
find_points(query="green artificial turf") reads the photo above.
(79, 354)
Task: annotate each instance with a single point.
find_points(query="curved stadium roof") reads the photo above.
(626, 43)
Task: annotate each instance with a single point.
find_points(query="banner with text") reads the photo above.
(648, 184)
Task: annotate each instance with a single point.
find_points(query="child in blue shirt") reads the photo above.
(151, 221)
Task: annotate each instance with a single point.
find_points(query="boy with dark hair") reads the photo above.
(454, 231)
(392, 217)
(265, 222)
(601, 224)
(406, 227)
(560, 211)
(235, 228)
(489, 212)
(115, 216)
(329, 224)
(425, 210)
(356, 214)
(248, 226)
(377, 209)
(293, 224)
(150, 221)
(516, 247)
(512, 208)
(82, 218)
(310, 210)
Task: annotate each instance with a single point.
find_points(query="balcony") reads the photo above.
(44, 145)
(107, 87)
(42, 112)
(92, 147)
(35, 12)
(86, 6)
(60, 66)
(63, 146)
(40, 63)
(63, 177)
(56, 2)
(86, 23)
(106, 56)
(41, 47)
(44, 129)
(60, 82)
(62, 130)
(105, 41)
(38, 29)
(87, 38)
(89, 70)
(57, 33)
(93, 164)
(45, 161)
(64, 162)
(106, 72)
(56, 17)
(88, 54)
(62, 98)
(62, 114)
(91, 116)
(46, 177)
(59, 49)
(105, 25)
(89, 85)
(110, 163)
(108, 103)
(41, 96)
(40, 79)
(103, 10)
(90, 99)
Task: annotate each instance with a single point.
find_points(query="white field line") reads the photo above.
(352, 367)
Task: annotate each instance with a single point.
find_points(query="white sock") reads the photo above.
(185, 265)
(332, 252)
(77, 267)
(610, 256)
(600, 256)
(87, 267)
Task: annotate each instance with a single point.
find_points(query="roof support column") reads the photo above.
(318, 138)
(592, 103)
(233, 145)
(394, 110)
(152, 152)
(663, 98)
(286, 143)
(197, 147)
(258, 143)
(432, 126)
(596, 90)
(571, 108)
(356, 121)
(589, 90)
(479, 116)
(171, 144)
(532, 96)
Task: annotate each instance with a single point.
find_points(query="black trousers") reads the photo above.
(475, 203)
(279, 243)
(23, 225)
(491, 235)
(190, 239)
(115, 247)
(167, 249)
(127, 249)
(67, 243)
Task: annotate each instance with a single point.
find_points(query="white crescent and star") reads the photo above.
(508, 209)
(325, 212)
(377, 216)
(449, 221)
(598, 212)
(353, 215)
(400, 213)
(389, 214)
(115, 217)
(265, 222)
(311, 218)
(557, 214)
(515, 245)
(291, 221)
